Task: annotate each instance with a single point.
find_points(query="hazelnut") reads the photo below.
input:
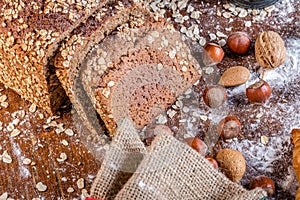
(197, 144)
(229, 127)
(153, 130)
(263, 182)
(213, 162)
(239, 43)
(232, 163)
(212, 54)
(259, 92)
(214, 96)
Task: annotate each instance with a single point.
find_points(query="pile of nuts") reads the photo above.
(270, 53)
(232, 162)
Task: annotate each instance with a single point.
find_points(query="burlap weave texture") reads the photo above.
(168, 170)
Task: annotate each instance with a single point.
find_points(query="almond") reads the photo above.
(234, 76)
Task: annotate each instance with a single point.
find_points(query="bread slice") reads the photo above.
(30, 32)
(138, 72)
(75, 47)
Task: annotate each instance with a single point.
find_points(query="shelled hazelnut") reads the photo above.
(213, 162)
(229, 127)
(259, 92)
(263, 182)
(239, 43)
(213, 54)
(197, 144)
(214, 96)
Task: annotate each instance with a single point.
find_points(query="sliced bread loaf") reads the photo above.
(138, 73)
(30, 32)
(74, 48)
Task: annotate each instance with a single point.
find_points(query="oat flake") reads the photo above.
(15, 132)
(26, 161)
(6, 158)
(69, 132)
(32, 108)
(62, 157)
(70, 190)
(80, 183)
(41, 187)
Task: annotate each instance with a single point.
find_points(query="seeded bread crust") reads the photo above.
(29, 35)
(74, 48)
(145, 52)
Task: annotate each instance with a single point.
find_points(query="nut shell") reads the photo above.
(259, 92)
(270, 51)
(234, 76)
(232, 163)
(214, 96)
(212, 161)
(239, 43)
(229, 127)
(213, 54)
(197, 144)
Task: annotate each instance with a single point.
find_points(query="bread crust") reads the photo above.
(30, 32)
(130, 51)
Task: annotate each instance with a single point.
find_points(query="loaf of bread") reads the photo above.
(43, 50)
(74, 48)
(30, 32)
(138, 72)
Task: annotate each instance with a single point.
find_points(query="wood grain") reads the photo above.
(43, 147)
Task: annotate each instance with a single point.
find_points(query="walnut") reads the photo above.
(269, 49)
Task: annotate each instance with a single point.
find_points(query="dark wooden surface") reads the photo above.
(43, 146)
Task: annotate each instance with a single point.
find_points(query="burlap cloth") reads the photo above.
(169, 169)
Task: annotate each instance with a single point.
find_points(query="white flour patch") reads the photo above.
(24, 172)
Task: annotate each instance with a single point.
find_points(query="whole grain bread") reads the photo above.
(30, 32)
(74, 48)
(138, 73)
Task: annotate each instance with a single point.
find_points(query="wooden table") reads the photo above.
(45, 155)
